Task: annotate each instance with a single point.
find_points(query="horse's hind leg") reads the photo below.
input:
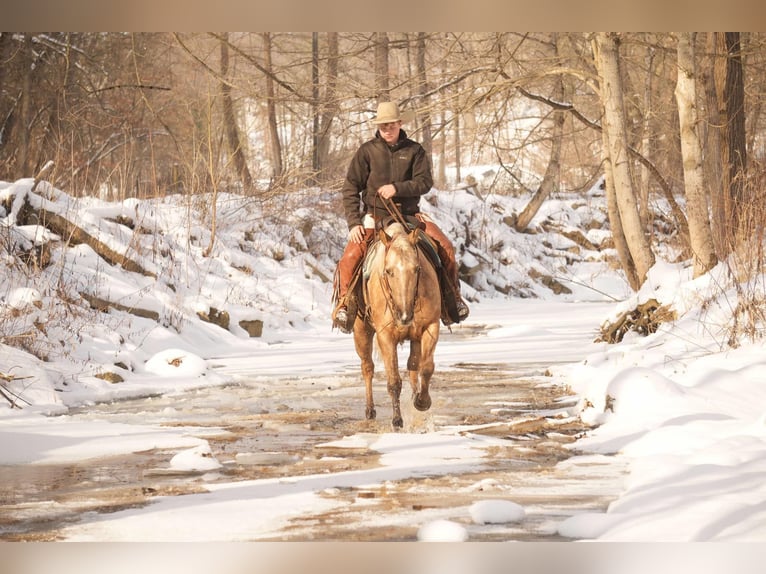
(363, 343)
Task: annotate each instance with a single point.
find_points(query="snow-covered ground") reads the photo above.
(683, 408)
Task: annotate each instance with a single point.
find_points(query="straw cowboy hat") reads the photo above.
(389, 112)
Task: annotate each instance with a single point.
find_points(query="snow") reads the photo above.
(683, 408)
(176, 363)
(496, 511)
(199, 458)
(442, 531)
(36, 440)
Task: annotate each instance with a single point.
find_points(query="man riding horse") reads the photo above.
(389, 167)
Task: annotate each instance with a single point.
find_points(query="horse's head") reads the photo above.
(401, 271)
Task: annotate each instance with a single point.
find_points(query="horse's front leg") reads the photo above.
(389, 353)
(363, 342)
(421, 401)
(421, 397)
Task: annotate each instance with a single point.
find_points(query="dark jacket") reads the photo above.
(405, 164)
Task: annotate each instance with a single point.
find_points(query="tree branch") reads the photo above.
(131, 86)
(255, 63)
(664, 185)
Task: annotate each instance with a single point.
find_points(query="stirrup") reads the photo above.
(341, 320)
(462, 310)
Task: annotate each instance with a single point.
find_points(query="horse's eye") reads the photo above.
(390, 272)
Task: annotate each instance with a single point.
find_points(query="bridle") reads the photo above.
(393, 210)
(388, 292)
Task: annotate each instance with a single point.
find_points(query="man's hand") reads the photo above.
(356, 234)
(387, 191)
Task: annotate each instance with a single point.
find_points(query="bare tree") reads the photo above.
(712, 148)
(552, 175)
(730, 93)
(315, 103)
(382, 88)
(646, 136)
(271, 111)
(230, 119)
(329, 104)
(700, 235)
(426, 138)
(25, 113)
(616, 153)
(615, 223)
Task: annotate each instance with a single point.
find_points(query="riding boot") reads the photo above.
(455, 309)
(349, 266)
(449, 264)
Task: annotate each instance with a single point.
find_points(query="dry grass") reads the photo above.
(644, 320)
(746, 265)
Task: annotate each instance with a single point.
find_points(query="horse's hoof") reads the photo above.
(397, 423)
(422, 403)
(370, 414)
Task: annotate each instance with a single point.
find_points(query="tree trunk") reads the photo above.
(315, 105)
(426, 139)
(731, 104)
(615, 225)
(230, 120)
(456, 127)
(551, 179)
(6, 105)
(23, 160)
(552, 176)
(616, 154)
(381, 67)
(700, 235)
(712, 152)
(646, 145)
(271, 111)
(441, 172)
(330, 101)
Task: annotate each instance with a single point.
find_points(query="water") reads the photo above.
(261, 429)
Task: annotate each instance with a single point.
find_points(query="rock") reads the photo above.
(216, 317)
(109, 377)
(253, 327)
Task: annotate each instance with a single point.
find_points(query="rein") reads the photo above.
(394, 212)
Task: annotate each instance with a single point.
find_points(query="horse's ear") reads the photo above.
(414, 236)
(384, 237)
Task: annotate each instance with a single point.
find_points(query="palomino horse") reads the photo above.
(403, 302)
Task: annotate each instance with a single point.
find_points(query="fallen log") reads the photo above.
(74, 235)
(103, 305)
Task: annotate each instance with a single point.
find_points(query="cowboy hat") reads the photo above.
(389, 112)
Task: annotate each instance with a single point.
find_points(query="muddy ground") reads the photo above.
(276, 429)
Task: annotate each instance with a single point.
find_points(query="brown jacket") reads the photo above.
(405, 164)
